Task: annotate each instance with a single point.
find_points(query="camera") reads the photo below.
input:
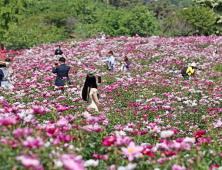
(99, 79)
(56, 64)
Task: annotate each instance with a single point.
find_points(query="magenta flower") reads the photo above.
(109, 141)
(131, 151)
(38, 110)
(33, 143)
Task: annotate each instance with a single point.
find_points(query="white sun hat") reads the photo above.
(193, 65)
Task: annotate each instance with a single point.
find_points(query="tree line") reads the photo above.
(26, 23)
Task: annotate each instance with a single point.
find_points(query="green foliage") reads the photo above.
(124, 3)
(50, 21)
(31, 33)
(162, 9)
(175, 26)
(216, 6)
(112, 22)
(10, 11)
(56, 18)
(201, 17)
(141, 21)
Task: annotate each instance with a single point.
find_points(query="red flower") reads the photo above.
(147, 152)
(214, 166)
(199, 134)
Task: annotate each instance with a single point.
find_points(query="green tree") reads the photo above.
(111, 22)
(173, 25)
(124, 3)
(141, 21)
(201, 17)
(56, 18)
(216, 6)
(161, 9)
(10, 11)
(32, 32)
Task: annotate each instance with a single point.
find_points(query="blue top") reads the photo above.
(110, 60)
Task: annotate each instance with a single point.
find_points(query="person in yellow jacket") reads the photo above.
(190, 71)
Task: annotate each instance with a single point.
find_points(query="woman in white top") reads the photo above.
(89, 92)
(103, 36)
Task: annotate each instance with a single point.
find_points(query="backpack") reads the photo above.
(183, 71)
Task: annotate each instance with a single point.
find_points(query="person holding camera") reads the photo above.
(89, 92)
(110, 60)
(62, 71)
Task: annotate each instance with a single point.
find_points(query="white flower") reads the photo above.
(157, 169)
(128, 167)
(166, 134)
(58, 163)
(47, 144)
(120, 133)
(91, 162)
(71, 147)
(191, 140)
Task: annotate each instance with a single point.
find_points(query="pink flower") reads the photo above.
(29, 162)
(19, 132)
(62, 122)
(33, 143)
(178, 167)
(71, 162)
(123, 141)
(131, 151)
(38, 110)
(112, 167)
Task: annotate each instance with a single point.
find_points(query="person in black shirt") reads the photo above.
(62, 71)
(58, 51)
(1, 76)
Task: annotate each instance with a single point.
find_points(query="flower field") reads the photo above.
(151, 119)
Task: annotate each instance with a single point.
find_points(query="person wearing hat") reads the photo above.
(190, 71)
(62, 71)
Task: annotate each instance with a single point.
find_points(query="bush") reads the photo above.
(31, 33)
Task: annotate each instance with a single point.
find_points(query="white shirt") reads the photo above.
(110, 60)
